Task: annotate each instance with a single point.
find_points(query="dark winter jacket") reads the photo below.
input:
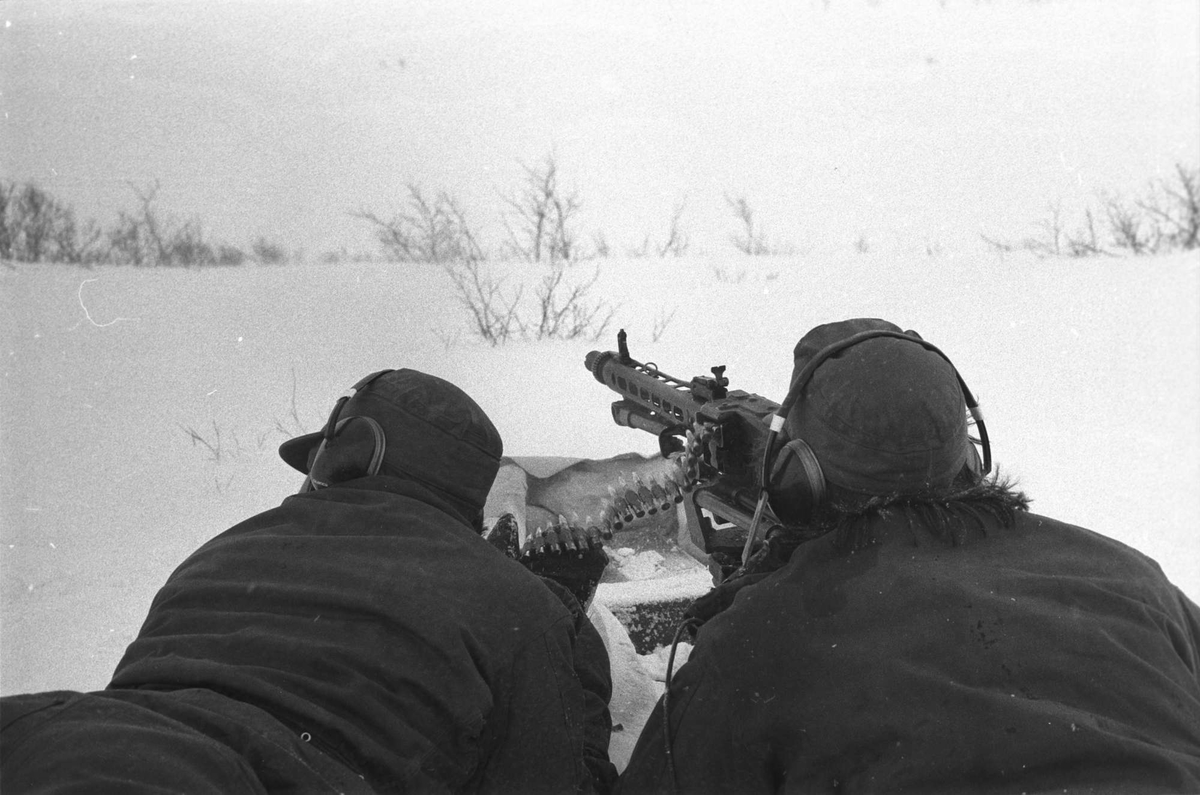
(1037, 658)
(371, 619)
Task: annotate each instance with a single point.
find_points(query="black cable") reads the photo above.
(666, 702)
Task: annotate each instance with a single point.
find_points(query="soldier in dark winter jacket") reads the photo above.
(936, 637)
(360, 637)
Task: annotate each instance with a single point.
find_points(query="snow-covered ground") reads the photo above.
(140, 409)
(1089, 372)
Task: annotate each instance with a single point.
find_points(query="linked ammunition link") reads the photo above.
(628, 501)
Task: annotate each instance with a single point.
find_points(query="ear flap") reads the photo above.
(797, 485)
(355, 451)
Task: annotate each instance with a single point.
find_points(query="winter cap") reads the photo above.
(436, 434)
(883, 416)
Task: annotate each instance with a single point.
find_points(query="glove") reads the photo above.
(775, 553)
(504, 536)
(574, 557)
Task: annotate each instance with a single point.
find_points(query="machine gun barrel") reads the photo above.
(653, 401)
(729, 433)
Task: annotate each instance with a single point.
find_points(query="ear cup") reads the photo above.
(355, 451)
(797, 486)
(974, 465)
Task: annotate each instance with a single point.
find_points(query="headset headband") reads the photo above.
(331, 425)
(805, 375)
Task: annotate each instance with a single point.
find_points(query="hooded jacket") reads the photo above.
(373, 619)
(1037, 658)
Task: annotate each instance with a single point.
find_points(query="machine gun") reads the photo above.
(722, 439)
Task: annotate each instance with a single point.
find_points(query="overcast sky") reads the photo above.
(839, 119)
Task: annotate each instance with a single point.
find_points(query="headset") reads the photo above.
(795, 483)
(359, 449)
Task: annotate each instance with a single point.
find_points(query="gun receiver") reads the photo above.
(724, 434)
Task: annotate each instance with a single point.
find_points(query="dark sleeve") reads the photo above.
(591, 667)
(541, 745)
(708, 751)
(1187, 643)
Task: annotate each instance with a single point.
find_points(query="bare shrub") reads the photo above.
(136, 239)
(294, 425)
(437, 231)
(1085, 240)
(224, 448)
(1130, 228)
(751, 240)
(494, 316)
(341, 256)
(146, 237)
(229, 255)
(1166, 218)
(35, 227)
(267, 252)
(541, 229)
(541, 224)
(186, 247)
(540, 221)
(674, 244)
(564, 311)
(661, 321)
(600, 245)
(9, 225)
(493, 311)
(429, 230)
(1173, 208)
(448, 339)
(214, 444)
(727, 276)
